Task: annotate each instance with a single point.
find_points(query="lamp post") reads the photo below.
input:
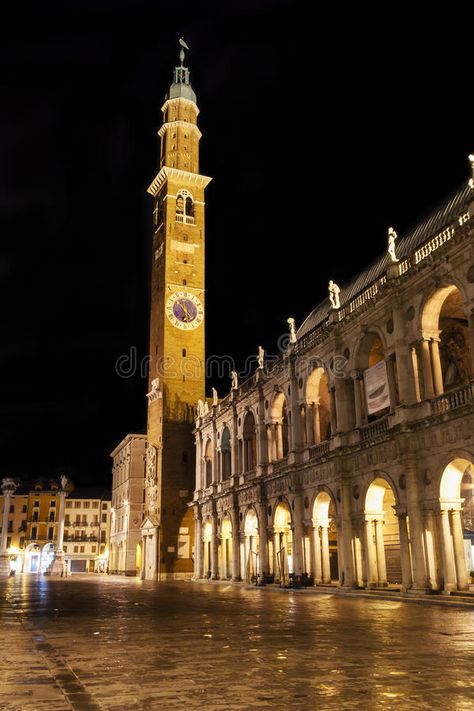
(8, 489)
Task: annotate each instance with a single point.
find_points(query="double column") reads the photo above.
(452, 547)
(320, 551)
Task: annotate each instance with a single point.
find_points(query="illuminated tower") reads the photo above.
(177, 367)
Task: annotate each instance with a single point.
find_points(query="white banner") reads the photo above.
(376, 388)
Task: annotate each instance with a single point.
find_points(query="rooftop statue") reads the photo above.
(334, 292)
(392, 236)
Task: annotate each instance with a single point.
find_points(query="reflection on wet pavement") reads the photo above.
(120, 644)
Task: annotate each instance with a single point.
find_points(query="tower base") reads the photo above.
(57, 566)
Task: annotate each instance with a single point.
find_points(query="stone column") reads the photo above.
(263, 536)
(198, 444)
(325, 553)
(436, 365)
(430, 549)
(332, 410)
(356, 377)
(379, 544)
(235, 545)
(318, 570)
(298, 536)
(371, 554)
(279, 440)
(234, 452)
(459, 553)
(57, 566)
(262, 449)
(392, 384)
(346, 537)
(420, 578)
(8, 489)
(269, 443)
(197, 547)
(316, 422)
(343, 407)
(295, 431)
(403, 356)
(214, 549)
(309, 424)
(427, 371)
(276, 549)
(405, 558)
(449, 573)
(416, 374)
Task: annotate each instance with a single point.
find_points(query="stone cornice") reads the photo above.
(185, 177)
(182, 99)
(179, 124)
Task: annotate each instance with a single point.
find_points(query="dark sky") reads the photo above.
(318, 134)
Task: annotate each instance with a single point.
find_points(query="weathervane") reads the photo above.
(183, 47)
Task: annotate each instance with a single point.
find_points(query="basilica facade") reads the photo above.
(349, 460)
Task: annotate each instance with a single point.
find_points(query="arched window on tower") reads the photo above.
(184, 207)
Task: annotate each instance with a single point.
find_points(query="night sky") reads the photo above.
(300, 193)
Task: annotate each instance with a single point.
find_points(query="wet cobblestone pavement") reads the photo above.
(119, 644)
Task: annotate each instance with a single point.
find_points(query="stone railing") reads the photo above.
(319, 450)
(374, 429)
(320, 331)
(280, 464)
(455, 398)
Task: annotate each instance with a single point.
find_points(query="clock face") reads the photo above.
(184, 310)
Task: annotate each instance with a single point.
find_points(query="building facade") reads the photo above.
(87, 530)
(128, 493)
(350, 459)
(33, 527)
(177, 368)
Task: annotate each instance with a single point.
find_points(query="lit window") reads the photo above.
(184, 207)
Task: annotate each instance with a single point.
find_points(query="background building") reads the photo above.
(87, 530)
(33, 523)
(128, 492)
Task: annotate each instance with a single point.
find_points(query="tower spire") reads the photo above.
(181, 86)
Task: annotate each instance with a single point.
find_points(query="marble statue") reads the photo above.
(214, 397)
(392, 236)
(334, 292)
(261, 357)
(200, 408)
(64, 481)
(205, 409)
(291, 323)
(235, 380)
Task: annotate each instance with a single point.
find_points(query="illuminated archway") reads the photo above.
(382, 535)
(317, 410)
(225, 549)
(251, 547)
(456, 532)
(324, 557)
(279, 441)
(283, 542)
(446, 359)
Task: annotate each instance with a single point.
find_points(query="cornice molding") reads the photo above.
(178, 99)
(179, 124)
(185, 177)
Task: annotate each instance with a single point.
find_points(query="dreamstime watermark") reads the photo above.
(220, 367)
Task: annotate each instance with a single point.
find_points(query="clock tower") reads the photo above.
(177, 357)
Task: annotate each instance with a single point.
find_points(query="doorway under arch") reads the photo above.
(456, 523)
(325, 559)
(283, 543)
(251, 547)
(382, 535)
(225, 549)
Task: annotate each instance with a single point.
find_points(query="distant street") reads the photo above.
(120, 644)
